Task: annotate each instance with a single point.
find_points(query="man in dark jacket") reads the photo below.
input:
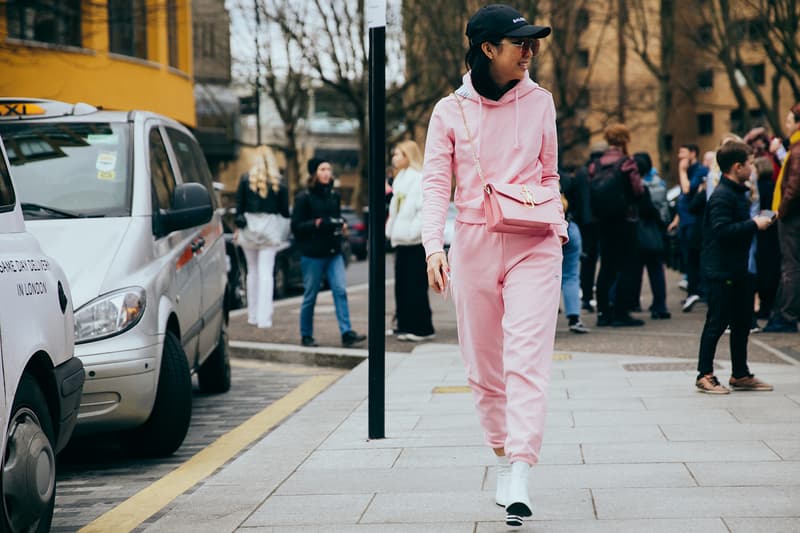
(317, 226)
(727, 233)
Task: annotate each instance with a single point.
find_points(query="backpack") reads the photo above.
(609, 190)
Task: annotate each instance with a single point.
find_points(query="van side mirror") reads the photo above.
(191, 206)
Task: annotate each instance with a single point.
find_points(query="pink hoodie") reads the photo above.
(515, 138)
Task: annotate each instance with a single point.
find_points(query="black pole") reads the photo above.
(258, 75)
(377, 253)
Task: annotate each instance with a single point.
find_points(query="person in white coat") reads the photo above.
(404, 230)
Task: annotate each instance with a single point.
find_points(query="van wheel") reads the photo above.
(164, 431)
(214, 375)
(29, 464)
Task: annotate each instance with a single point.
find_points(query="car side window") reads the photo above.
(161, 175)
(192, 162)
(7, 199)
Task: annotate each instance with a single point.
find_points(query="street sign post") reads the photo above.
(376, 22)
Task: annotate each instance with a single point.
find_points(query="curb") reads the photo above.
(347, 358)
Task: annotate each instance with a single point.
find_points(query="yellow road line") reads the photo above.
(129, 514)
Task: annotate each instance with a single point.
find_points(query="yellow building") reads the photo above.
(117, 54)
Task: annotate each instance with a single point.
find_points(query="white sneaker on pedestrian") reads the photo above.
(683, 284)
(410, 337)
(519, 503)
(503, 479)
(688, 304)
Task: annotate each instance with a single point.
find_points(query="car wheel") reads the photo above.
(165, 429)
(214, 375)
(29, 464)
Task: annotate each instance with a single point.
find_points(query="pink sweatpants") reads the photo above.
(506, 289)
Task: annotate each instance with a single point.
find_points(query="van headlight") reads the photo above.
(109, 315)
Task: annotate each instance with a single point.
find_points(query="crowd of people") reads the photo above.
(619, 203)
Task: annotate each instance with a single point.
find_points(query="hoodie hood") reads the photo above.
(524, 87)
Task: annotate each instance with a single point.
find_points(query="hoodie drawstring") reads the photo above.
(480, 123)
(516, 121)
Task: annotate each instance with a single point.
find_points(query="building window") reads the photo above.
(582, 20)
(46, 21)
(705, 35)
(705, 123)
(705, 80)
(172, 32)
(756, 73)
(583, 58)
(127, 27)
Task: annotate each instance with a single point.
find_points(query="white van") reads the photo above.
(41, 380)
(122, 200)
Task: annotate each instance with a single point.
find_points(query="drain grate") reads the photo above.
(663, 367)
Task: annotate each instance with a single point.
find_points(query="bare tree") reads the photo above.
(657, 52)
(287, 87)
(773, 26)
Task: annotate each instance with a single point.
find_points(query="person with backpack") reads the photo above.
(653, 259)
(615, 187)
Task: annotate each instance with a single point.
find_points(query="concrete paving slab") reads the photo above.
(788, 450)
(750, 415)
(604, 476)
(713, 525)
(463, 527)
(730, 432)
(773, 525)
(651, 417)
(700, 502)
(440, 507)
(754, 474)
(378, 480)
(348, 459)
(682, 452)
(313, 510)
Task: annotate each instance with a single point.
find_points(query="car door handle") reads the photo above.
(198, 244)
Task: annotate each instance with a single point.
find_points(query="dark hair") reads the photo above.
(478, 64)
(643, 162)
(764, 168)
(692, 148)
(731, 153)
(796, 111)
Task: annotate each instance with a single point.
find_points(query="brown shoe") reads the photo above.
(710, 385)
(749, 383)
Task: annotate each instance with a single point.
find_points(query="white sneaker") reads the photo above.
(519, 505)
(503, 479)
(410, 337)
(688, 304)
(683, 284)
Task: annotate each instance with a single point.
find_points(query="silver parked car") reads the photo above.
(122, 200)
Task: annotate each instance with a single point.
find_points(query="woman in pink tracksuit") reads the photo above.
(505, 286)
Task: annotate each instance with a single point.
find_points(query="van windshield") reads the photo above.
(70, 168)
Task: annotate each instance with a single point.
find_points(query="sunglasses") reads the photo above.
(524, 45)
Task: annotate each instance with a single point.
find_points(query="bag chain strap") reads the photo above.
(471, 144)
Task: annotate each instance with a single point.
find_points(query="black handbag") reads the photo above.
(649, 236)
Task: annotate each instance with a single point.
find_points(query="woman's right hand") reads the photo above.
(438, 271)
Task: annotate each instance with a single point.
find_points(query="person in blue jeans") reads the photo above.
(577, 208)
(318, 227)
(571, 279)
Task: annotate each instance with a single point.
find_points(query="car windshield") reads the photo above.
(78, 169)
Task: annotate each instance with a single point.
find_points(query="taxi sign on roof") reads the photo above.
(20, 109)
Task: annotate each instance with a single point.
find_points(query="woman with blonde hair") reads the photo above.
(404, 229)
(262, 211)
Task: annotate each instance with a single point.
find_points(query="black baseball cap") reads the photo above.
(499, 20)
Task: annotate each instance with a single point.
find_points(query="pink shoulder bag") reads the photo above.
(530, 209)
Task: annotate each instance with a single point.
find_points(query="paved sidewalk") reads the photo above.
(629, 447)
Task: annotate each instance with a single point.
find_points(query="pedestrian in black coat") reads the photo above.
(728, 232)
